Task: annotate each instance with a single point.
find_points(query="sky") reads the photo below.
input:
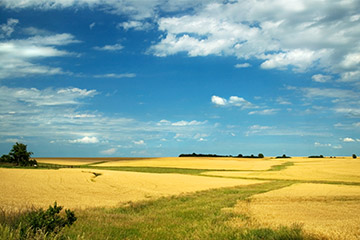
(156, 78)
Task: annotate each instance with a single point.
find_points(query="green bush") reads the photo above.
(48, 221)
(354, 156)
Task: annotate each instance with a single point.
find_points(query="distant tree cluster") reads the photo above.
(19, 156)
(315, 156)
(283, 156)
(260, 155)
(203, 155)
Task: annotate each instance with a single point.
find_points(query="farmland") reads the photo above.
(194, 198)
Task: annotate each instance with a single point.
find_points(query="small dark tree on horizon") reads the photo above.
(19, 156)
(354, 156)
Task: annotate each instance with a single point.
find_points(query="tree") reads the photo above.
(261, 155)
(19, 156)
(354, 156)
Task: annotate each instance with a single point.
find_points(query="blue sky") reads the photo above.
(123, 78)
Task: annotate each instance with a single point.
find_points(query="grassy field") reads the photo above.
(194, 198)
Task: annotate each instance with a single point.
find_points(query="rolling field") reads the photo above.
(326, 210)
(212, 198)
(81, 188)
(339, 169)
(196, 163)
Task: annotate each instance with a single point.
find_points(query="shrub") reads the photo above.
(261, 155)
(354, 156)
(48, 221)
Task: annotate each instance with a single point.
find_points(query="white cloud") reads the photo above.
(7, 29)
(111, 48)
(328, 93)
(300, 34)
(109, 151)
(46, 97)
(92, 25)
(317, 144)
(264, 112)
(116, 75)
(301, 59)
(232, 101)
(276, 131)
(140, 142)
(329, 145)
(219, 101)
(282, 101)
(273, 31)
(321, 78)
(186, 123)
(19, 56)
(348, 139)
(136, 25)
(85, 139)
(242, 65)
(58, 115)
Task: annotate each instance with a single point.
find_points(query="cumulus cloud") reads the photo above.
(85, 139)
(219, 101)
(348, 139)
(232, 101)
(301, 36)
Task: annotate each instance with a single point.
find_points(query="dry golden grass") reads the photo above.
(79, 188)
(325, 210)
(310, 169)
(197, 163)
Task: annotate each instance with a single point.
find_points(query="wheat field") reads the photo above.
(321, 194)
(330, 211)
(319, 169)
(197, 163)
(80, 188)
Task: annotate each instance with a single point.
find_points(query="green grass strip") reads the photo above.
(199, 215)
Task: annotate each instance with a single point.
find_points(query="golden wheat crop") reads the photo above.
(68, 161)
(325, 210)
(81, 188)
(320, 169)
(197, 163)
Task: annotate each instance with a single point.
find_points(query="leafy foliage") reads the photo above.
(354, 156)
(48, 221)
(19, 156)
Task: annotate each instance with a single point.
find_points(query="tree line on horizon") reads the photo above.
(260, 155)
